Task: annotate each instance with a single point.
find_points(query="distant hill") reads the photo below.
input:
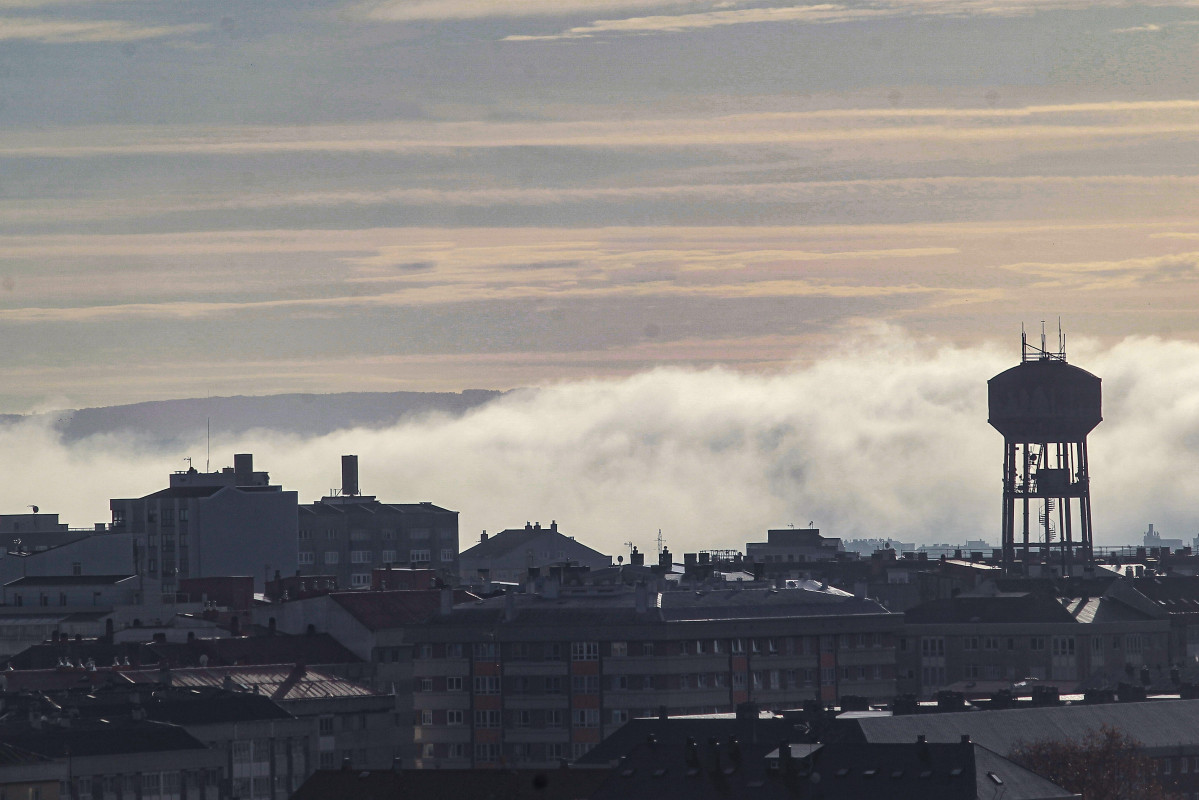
(171, 422)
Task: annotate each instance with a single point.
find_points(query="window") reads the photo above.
(620, 649)
(584, 684)
(447, 555)
(426, 684)
(484, 650)
(991, 643)
(457, 750)
(305, 534)
(426, 717)
(585, 717)
(487, 752)
(183, 515)
(389, 556)
(418, 533)
(584, 651)
(419, 556)
(360, 579)
(554, 718)
(487, 684)
(970, 643)
(489, 718)
(453, 650)
(306, 557)
(737, 646)
(932, 646)
(359, 535)
(1063, 645)
(360, 556)
(454, 717)
(325, 726)
(1036, 643)
(453, 683)
(620, 716)
(331, 556)
(647, 649)
(522, 719)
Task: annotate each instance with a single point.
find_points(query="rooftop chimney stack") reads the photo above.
(243, 468)
(349, 476)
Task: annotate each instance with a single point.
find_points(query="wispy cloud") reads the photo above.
(676, 23)
(421, 10)
(54, 31)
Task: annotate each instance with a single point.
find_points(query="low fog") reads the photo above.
(885, 437)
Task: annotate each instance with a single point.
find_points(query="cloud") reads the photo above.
(881, 435)
(53, 31)
(442, 10)
(825, 13)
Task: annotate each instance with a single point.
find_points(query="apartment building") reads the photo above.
(533, 679)
(349, 534)
(991, 641)
(232, 522)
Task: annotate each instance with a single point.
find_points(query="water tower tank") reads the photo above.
(1044, 400)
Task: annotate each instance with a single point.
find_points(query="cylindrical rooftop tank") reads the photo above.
(1046, 400)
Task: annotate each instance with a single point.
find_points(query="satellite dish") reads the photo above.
(34, 509)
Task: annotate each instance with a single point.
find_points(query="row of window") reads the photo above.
(416, 556)
(591, 651)
(384, 534)
(591, 684)
(1063, 646)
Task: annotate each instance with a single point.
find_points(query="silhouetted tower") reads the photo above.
(1045, 408)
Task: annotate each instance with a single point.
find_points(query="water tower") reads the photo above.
(1045, 408)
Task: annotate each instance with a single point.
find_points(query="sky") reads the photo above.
(209, 198)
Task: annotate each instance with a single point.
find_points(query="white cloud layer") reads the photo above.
(884, 437)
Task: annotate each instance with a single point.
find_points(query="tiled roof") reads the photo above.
(389, 609)
(1156, 724)
(99, 738)
(506, 541)
(452, 784)
(619, 607)
(67, 580)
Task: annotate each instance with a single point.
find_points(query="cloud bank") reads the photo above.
(884, 437)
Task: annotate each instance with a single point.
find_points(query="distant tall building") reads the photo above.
(349, 534)
(232, 522)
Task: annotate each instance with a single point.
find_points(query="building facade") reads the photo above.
(232, 522)
(533, 679)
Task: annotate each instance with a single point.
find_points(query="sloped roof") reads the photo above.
(506, 541)
(393, 608)
(452, 784)
(96, 738)
(1003, 608)
(1155, 724)
(619, 607)
(67, 580)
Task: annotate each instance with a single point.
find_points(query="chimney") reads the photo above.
(636, 557)
(349, 476)
(554, 525)
(483, 538)
(243, 468)
(665, 560)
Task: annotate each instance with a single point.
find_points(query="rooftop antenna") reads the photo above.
(208, 458)
(661, 542)
(630, 546)
(188, 459)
